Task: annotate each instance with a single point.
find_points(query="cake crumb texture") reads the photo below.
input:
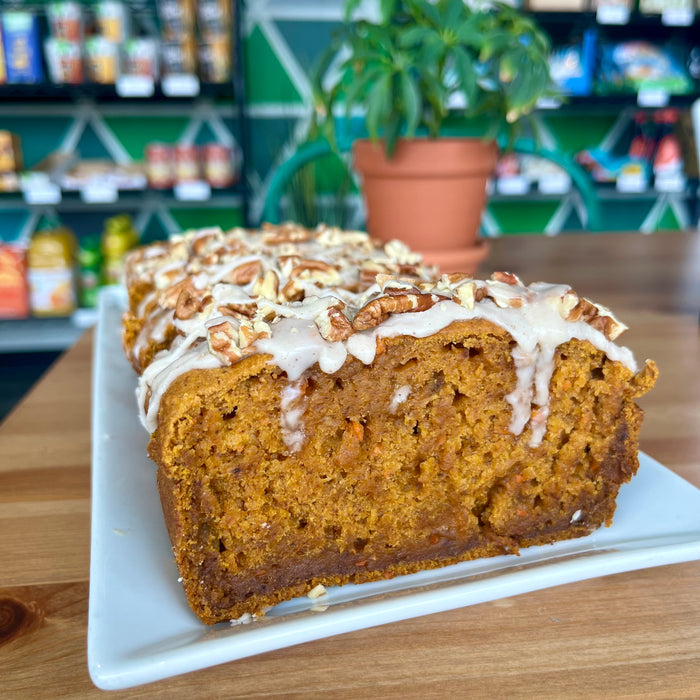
(372, 491)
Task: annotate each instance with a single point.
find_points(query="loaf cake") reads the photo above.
(324, 409)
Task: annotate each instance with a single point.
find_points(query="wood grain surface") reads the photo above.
(634, 635)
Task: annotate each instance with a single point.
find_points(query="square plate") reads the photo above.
(140, 628)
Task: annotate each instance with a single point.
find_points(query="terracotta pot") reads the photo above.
(430, 195)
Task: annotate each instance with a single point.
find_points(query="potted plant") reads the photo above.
(419, 68)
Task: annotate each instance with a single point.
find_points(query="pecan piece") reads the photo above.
(609, 326)
(378, 310)
(200, 244)
(187, 303)
(222, 342)
(239, 311)
(292, 292)
(583, 311)
(333, 324)
(316, 270)
(244, 273)
(267, 286)
(168, 297)
(250, 331)
(506, 278)
(286, 233)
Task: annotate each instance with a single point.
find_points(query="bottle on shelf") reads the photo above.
(51, 270)
(90, 268)
(118, 238)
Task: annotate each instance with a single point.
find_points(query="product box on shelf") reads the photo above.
(113, 20)
(101, 60)
(65, 61)
(65, 20)
(572, 66)
(20, 37)
(10, 152)
(14, 294)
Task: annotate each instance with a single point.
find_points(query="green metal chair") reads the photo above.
(312, 151)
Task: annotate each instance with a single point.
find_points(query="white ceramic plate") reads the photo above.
(141, 629)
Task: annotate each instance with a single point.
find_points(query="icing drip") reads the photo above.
(292, 407)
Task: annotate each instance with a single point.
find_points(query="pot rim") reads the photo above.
(427, 157)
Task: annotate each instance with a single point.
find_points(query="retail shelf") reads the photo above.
(53, 92)
(139, 199)
(589, 18)
(44, 334)
(586, 103)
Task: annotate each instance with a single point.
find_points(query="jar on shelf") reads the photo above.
(218, 165)
(187, 167)
(160, 166)
(118, 238)
(51, 271)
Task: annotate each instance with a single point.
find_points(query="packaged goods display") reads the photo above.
(51, 261)
(65, 61)
(90, 269)
(140, 58)
(118, 238)
(101, 60)
(113, 20)
(65, 20)
(20, 38)
(653, 156)
(631, 66)
(104, 41)
(323, 409)
(168, 165)
(14, 294)
(218, 165)
(10, 152)
(160, 166)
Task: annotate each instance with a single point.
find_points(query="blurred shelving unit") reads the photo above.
(115, 122)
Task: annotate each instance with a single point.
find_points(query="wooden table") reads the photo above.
(631, 635)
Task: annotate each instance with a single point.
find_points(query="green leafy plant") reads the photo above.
(423, 61)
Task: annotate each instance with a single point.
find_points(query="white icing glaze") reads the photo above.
(535, 316)
(292, 407)
(399, 397)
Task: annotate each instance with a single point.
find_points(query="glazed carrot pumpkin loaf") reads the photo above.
(325, 409)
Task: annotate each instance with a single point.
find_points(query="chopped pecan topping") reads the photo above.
(187, 304)
(250, 331)
(168, 298)
(369, 270)
(583, 311)
(287, 233)
(392, 284)
(378, 310)
(465, 294)
(222, 342)
(207, 299)
(604, 322)
(506, 278)
(333, 324)
(292, 292)
(267, 286)
(245, 273)
(199, 245)
(239, 311)
(316, 270)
